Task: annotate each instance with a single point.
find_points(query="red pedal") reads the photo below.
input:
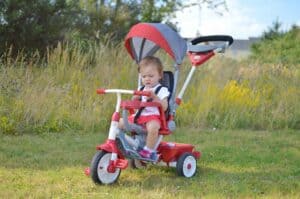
(121, 163)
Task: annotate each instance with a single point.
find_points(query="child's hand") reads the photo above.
(153, 96)
(136, 97)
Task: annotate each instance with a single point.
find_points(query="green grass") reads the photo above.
(235, 164)
(58, 94)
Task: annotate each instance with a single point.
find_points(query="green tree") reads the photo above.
(278, 47)
(273, 31)
(31, 25)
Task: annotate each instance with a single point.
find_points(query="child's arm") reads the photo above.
(163, 102)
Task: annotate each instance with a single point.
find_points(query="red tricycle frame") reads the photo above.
(145, 39)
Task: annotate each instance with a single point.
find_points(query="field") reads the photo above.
(235, 164)
(59, 94)
(243, 114)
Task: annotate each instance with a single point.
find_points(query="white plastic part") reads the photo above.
(187, 81)
(122, 91)
(189, 166)
(113, 130)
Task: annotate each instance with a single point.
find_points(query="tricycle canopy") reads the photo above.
(145, 39)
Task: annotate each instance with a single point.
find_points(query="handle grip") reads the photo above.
(212, 38)
(100, 91)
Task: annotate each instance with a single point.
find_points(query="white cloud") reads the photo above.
(238, 21)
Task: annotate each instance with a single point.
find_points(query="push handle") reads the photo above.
(212, 38)
(216, 43)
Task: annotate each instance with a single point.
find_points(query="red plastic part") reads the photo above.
(172, 151)
(199, 58)
(145, 30)
(144, 93)
(87, 171)
(197, 154)
(109, 146)
(178, 101)
(118, 163)
(100, 91)
(130, 104)
(133, 104)
(115, 117)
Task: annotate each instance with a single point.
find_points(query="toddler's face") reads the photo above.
(150, 76)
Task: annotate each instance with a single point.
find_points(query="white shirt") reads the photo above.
(162, 94)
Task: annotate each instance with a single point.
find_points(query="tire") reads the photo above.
(137, 164)
(186, 165)
(99, 173)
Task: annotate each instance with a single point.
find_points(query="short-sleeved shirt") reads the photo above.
(162, 94)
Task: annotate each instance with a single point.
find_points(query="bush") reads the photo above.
(282, 49)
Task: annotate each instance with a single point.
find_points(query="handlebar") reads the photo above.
(216, 43)
(213, 38)
(123, 91)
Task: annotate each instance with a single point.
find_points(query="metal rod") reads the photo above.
(187, 81)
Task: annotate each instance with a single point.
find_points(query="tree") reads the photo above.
(278, 47)
(115, 17)
(273, 31)
(31, 25)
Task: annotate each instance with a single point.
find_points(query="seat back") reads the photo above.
(168, 81)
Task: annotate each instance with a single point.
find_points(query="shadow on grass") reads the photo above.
(208, 180)
(49, 150)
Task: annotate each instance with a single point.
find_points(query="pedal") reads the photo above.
(121, 163)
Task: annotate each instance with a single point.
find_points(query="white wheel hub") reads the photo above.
(189, 166)
(104, 176)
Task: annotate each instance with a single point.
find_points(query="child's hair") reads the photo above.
(151, 60)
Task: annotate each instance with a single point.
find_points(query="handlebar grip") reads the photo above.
(144, 93)
(100, 91)
(225, 38)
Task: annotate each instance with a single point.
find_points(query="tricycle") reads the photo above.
(122, 145)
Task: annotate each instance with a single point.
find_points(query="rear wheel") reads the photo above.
(137, 164)
(99, 172)
(186, 165)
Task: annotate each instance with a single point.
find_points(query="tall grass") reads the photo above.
(57, 93)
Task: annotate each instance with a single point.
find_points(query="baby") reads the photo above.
(151, 71)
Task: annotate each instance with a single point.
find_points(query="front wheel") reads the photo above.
(186, 165)
(99, 172)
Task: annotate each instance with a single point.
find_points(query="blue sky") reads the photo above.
(244, 18)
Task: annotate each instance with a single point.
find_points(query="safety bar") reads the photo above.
(123, 91)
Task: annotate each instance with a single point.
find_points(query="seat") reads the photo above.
(168, 81)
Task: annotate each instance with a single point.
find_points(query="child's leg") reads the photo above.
(121, 124)
(153, 127)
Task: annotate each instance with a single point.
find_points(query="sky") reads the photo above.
(243, 19)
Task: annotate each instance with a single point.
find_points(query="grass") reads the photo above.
(58, 94)
(235, 164)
